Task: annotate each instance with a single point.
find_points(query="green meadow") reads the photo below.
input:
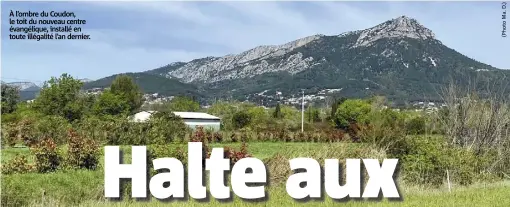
(85, 187)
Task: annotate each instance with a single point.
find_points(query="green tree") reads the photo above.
(183, 103)
(224, 110)
(416, 125)
(259, 117)
(241, 119)
(335, 105)
(61, 96)
(10, 98)
(110, 104)
(312, 115)
(166, 127)
(352, 111)
(126, 89)
(291, 113)
(277, 112)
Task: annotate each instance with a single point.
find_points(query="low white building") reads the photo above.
(192, 119)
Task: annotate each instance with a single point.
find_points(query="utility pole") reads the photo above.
(302, 111)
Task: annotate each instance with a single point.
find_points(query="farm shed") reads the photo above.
(192, 119)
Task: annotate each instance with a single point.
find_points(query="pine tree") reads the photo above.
(335, 105)
(277, 111)
(310, 114)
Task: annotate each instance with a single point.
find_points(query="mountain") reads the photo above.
(399, 58)
(23, 85)
(27, 90)
(150, 83)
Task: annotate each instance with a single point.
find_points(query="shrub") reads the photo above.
(234, 137)
(181, 155)
(317, 137)
(462, 165)
(199, 136)
(18, 165)
(47, 158)
(9, 135)
(425, 161)
(165, 127)
(335, 135)
(433, 124)
(289, 137)
(278, 164)
(300, 137)
(53, 126)
(416, 125)
(386, 131)
(209, 135)
(429, 157)
(25, 131)
(96, 128)
(281, 134)
(235, 155)
(240, 120)
(162, 128)
(217, 137)
(245, 134)
(111, 130)
(160, 151)
(82, 152)
(352, 111)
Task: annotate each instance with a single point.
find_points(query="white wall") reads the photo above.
(211, 124)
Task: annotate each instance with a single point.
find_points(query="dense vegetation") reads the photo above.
(64, 130)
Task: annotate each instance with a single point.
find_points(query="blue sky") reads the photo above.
(138, 36)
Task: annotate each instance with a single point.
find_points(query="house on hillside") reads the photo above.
(192, 119)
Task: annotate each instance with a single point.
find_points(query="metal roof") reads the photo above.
(195, 115)
(145, 115)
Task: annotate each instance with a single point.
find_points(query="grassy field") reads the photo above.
(476, 195)
(85, 188)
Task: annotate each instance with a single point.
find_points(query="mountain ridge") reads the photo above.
(209, 69)
(398, 58)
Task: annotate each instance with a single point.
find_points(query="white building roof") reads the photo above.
(195, 115)
(145, 115)
(142, 116)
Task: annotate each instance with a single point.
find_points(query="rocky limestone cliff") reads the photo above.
(395, 28)
(256, 61)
